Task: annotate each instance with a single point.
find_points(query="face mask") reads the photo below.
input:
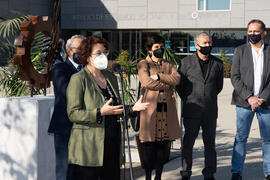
(158, 53)
(205, 50)
(254, 38)
(75, 58)
(101, 62)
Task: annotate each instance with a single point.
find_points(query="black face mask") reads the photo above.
(158, 53)
(206, 50)
(254, 38)
(75, 58)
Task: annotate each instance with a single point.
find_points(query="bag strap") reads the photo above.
(148, 70)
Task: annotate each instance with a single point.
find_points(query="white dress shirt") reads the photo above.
(74, 64)
(258, 70)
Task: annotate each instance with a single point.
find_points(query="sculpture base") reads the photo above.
(26, 149)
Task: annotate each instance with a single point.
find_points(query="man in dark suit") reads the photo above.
(250, 77)
(60, 125)
(201, 82)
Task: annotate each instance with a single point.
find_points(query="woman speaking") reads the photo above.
(93, 105)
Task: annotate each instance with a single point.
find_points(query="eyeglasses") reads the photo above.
(74, 48)
(98, 53)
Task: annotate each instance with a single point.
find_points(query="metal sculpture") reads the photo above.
(50, 28)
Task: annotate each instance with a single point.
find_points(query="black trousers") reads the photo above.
(109, 170)
(155, 155)
(192, 128)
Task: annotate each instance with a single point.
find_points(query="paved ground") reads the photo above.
(224, 142)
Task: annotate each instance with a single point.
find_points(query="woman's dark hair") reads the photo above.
(153, 39)
(86, 47)
(259, 22)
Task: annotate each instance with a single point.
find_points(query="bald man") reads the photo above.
(201, 82)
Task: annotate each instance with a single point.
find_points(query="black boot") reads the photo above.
(211, 178)
(185, 178)
(268, 177)
(236, 176)
(148, 174)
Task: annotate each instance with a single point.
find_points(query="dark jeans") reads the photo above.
(110, 168)
(192, 128)
(61, 156)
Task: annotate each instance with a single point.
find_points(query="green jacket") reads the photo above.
(86, 143)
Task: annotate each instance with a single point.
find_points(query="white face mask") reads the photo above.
(101, 62)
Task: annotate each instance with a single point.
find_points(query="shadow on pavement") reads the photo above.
(252, 171)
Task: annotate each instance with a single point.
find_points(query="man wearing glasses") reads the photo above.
(60, 125)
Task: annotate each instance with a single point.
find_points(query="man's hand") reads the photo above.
(139, 105)
(107, 109)
(261, 100)
(255, 102)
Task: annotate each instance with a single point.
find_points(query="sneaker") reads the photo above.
(236, 176)
(268, 177)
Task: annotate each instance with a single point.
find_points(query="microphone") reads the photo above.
(117, 68)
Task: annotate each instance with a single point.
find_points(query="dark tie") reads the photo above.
(79, 67)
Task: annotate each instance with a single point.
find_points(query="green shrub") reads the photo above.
(227, 70)
(227, 66)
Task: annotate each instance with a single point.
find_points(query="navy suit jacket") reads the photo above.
(61, 74)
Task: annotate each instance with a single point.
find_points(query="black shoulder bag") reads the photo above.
(135, 118)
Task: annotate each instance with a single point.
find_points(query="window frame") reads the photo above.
(205, 10)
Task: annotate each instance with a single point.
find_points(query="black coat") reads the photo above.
(199, 94)
(61, 73)
(242, 76)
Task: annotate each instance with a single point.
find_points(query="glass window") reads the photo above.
(214, 4)
(201, 4)
(182, 41)
(227, 41)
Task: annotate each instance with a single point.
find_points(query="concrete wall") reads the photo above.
(142, 14)
(26, 149)
(242, 11)
(159, 14)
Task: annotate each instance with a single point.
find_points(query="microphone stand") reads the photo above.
(125, 129)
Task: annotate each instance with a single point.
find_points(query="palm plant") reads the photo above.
(227, 66)
(129, 67)
(11, 85)
(169, 54)
(11, 27)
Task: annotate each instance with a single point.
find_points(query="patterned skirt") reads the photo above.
(161, 130)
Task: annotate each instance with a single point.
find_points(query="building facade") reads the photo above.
(126, 23)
